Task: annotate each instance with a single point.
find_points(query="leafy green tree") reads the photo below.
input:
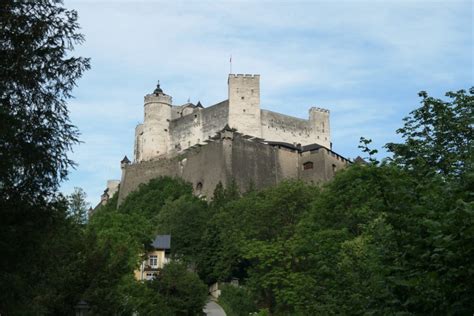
(236, 300)
(438, 136)
(37, 74)
(78, 206)
(149, 198)
(182, 291)
(185, 220)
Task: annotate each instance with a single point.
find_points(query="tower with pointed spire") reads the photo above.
(152, 137)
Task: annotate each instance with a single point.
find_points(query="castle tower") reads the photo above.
(244, 104)
(319, 121)
(154, 138)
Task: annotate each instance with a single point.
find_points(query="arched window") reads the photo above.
(308, 165)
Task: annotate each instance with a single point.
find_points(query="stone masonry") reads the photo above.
(232, 140)
(169, 129)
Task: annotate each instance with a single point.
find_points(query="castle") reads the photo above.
(232, 140)
(168, 129)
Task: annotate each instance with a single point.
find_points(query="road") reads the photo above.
(213, 309)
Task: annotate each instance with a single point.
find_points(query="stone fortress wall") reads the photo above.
(230, 155)
(168, 129)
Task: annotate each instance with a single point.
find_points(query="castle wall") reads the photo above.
(197, 126)
(204, 164)
(284, 128)
(253, 163)
(325, 164)
(289, 129)
(234, 156)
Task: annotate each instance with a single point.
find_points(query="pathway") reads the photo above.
(213, 309)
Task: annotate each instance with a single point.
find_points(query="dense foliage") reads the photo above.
(37, 74)
(118, 238)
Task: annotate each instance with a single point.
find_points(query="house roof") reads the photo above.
(162, 242)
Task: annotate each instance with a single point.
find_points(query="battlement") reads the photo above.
(316, 109)
(243, 75)
(162, 98)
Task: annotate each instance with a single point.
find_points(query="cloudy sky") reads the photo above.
(365, 61)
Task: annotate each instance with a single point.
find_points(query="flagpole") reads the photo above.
(230, 61)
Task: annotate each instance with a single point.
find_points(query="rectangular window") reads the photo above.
(153, 260)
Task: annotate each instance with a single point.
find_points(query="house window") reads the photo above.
(308, 165)
(149, 276)
(153, 261)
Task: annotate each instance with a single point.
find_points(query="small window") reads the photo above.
(242, 98)
(334, 168)
(243, 110)
(153, 260)
(308, 165)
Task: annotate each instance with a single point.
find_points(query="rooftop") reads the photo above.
(162, 242)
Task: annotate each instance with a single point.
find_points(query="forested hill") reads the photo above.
(387, 237)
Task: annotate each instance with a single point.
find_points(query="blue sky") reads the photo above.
(365, 61)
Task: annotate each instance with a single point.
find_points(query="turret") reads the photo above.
(319, 120)
(124, 163)
(244, 104)
(155, 129)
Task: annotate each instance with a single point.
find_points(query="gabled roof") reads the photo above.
(162, 242)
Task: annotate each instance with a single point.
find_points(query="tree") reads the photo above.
(438, 136)
(78, 206)
(37, 75)
(185, 220)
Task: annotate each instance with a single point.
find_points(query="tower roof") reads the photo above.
(125, 160)
(158, 89)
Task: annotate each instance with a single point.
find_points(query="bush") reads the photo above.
(236, 301)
